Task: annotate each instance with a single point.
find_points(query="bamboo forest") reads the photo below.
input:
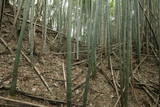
(79, 53)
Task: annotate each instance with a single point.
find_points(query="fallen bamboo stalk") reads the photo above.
(38, 98)
(5, 44)
(114, 82)
(149, 94)
(140, 64)
(38, 73)
(115, 105)
(80, 62)
(19, 103)
(64, 53)
(64, 76)
(79, 86)
(106, 77)
(144, 87)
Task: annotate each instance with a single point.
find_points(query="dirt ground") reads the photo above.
(51, 65)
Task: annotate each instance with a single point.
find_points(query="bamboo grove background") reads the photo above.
(133, 25)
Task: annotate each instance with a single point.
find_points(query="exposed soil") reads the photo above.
(50, 65)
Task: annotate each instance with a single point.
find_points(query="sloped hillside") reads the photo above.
(48, 73)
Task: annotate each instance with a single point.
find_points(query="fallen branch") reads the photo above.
(64, 76)
(64, 53)
(134, 92)
(115, 105)
(114, 83)
(19, 103)
(149, 94)
(157, 102)
(38, 73)
(79, 86)
(144, 87)
(5, 44)
(106, 77)
(80, 62)
(140, 64)
(38, 98)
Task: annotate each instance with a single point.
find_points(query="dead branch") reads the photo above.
(5, 44)
(140, 64)
(114, 83)
(80, 62)
(38, 98)
(106, 77)
(79, 86)
(149, 94)
(64, 75)
(146, 90)
(115, 105)
(19, 103)
(38, 73)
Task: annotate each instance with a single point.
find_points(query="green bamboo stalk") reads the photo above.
(95, 33)
(69, 56)
(32, 30)
(45, 8)
(128, 52)
(159, 39)
(108, 31)
(137, 30)
(2, 4)
(79, 28)
(122, 51)
(89, 33)
(19, 47)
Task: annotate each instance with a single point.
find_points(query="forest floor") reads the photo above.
(51, 66)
